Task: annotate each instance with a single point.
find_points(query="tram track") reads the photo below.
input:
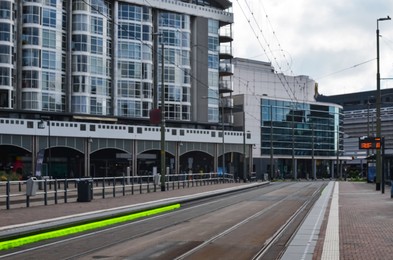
(158, 237)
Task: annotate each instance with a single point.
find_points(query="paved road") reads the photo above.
(233, 226)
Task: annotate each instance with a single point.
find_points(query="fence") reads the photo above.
(13, 193)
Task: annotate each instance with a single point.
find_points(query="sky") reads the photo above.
(333, 42)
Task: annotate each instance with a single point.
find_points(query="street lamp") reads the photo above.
(41, 125)
(379, 180)
(162, 119)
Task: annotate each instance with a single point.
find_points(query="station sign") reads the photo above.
(369, 142)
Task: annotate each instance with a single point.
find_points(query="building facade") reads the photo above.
(360, 120)
(295, 136)
(86, 67)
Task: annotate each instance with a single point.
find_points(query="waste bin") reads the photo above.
(31, 186)
(85, 190)
(156, 179)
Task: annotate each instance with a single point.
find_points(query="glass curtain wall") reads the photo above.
(175, 34)
(299, 129)
(91, 57)
(7, 47)
(43, 66)
(213, 74)
(134, 61)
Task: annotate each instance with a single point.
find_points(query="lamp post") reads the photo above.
(162, 119)
(244, 146)
(41, 125)
(380, 177)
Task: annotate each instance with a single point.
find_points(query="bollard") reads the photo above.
(391, 189)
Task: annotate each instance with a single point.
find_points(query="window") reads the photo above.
(100, 7)
(129, 50)
(31, 14)
(5, 32)
(129, 108)
(30, 100)
(79, 104)
(131, 70)
(79, 5)
(5, 76)
(5, 9)
(98, 86)
(48, 38)
(79, 84)
(5, 56)
(30, 79)
(49, 60)
(97, 25)
(80, 22)
(31, 57)
(129, 89)
(79, 63)
(96, 65)
(96, 45)
(48, 81)
(130, 12)
(130, 31)
(49, 17)
(79, 42)
(50, 2)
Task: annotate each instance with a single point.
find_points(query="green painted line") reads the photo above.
(5, 245)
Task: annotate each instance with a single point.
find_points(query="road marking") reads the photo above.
(331, 245)
(8, 244)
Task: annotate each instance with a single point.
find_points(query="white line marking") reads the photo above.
(331, 245)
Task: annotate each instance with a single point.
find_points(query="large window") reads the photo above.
(49, 38)
(5, 32)
(5, 9)
(298, 128)
(31, 57)
(5, 76)
(79, 42)
(49, 60)
(31, 14)
(49, 17)
(5, 56)
(30, 79)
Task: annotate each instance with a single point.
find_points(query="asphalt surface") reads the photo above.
(362, 215)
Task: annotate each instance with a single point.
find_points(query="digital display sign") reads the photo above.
(367, 142)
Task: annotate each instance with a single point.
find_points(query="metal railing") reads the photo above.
(13, 194)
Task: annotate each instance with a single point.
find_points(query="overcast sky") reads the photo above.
(331, 41)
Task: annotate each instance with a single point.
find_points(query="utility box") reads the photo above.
(31, 186)
(85, 190)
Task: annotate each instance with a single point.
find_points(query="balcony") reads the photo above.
(227, 102)
(226, 68)
(226, 34)
(226, 86)
(225, 52)
(228, 119)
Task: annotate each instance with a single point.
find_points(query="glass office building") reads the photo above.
(300, 130)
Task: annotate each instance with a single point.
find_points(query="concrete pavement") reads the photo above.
(351, 220)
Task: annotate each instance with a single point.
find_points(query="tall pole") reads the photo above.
(271, 142)
(49, 147)
(378, 106)
(223, 140)
(293, 148)
(244, 145)
(162, 120)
